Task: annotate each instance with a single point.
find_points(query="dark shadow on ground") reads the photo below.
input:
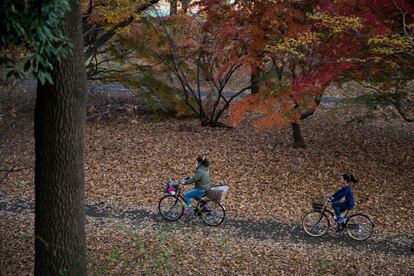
(260, 230)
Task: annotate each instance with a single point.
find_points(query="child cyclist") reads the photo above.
(343, 199)
(202, 184)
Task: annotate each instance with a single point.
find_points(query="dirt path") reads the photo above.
(260, 230)
(118, 88)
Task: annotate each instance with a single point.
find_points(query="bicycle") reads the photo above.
(316, 223)
(210, 211)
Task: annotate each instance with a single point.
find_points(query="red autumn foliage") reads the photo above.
(342, 51)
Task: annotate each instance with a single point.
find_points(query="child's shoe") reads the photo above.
(339, 228)
(340, 219)
(188, 212)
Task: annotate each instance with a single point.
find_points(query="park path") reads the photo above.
(118, 88)
(270, 230)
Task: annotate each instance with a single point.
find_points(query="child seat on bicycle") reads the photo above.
(344, 199)
(202, 183)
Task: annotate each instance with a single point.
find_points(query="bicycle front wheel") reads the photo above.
(212, 213)
(359, 227)
(171, 208)
(315, 224)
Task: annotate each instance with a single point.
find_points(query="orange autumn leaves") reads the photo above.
(272, 110)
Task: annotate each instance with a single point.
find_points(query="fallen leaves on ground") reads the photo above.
(119, 249)
(129, 158)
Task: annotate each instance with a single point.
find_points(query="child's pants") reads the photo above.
(339, 207)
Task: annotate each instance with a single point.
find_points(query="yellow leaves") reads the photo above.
(337, 23)
(410, 26)
(396, 41)
(137, 16)
(285, 48)
(295, 46)
(353, 60)
(383, 51)
(390, 45)
(392, 64)
(124, 32)
(114, 12)
(111, 19)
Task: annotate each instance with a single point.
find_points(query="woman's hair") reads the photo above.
(203, 161)
(348, 177)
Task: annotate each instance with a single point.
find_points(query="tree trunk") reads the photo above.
(59, 166)
(184, 5)
(298, 141)
(173, 7)
(204, 120)
(254, 80)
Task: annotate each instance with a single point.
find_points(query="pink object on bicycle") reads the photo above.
(171, 190)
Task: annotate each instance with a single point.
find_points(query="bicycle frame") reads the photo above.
(355, 221)
(178, 195)
(325, 209)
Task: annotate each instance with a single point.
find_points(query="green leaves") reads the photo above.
(33, 37)
(14, 73)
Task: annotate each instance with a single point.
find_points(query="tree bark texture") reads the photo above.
(173, 7)
(59, 166)
(298, 141)
(185, 4)
(254, 80)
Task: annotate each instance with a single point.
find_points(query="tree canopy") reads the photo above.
(32, 35)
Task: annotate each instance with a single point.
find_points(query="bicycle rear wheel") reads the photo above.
(171, 208)
(359, 227)
(315, 224)
(212, 213)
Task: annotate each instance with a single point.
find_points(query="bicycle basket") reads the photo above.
(218, 193)
(317, 206)
(170, 188)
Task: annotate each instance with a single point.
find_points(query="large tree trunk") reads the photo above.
(298, 141)
(254, 80)
(173, 7)
(184, 5)
(59, 165)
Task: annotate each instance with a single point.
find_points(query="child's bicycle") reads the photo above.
(316, 222)
(210, 211)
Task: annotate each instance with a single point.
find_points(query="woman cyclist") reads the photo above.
(202, 184)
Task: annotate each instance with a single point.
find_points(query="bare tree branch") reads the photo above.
(95, 45)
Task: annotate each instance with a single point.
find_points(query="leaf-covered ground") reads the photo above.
(117, 248)
(130, 157)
